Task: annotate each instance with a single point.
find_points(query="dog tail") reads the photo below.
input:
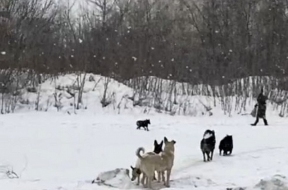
(141, 149)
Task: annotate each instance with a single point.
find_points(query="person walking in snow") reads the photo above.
(261, 111)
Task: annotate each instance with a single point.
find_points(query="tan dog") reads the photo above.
(136, 172)
(162, 162)
(148, 165)
(167, 161)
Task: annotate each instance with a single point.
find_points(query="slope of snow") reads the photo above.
(54, 93)
(57, 151)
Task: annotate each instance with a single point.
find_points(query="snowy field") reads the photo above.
(57, 151)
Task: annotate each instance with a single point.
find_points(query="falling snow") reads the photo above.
(3, 53)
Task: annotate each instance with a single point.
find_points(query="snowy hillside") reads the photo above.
(75, 93)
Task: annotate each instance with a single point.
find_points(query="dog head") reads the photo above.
(158, 147)
(135, 173)
(148, 121)
(208, 133)
(169, 145)
(229, 138)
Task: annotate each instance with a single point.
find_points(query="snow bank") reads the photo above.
(276, 182)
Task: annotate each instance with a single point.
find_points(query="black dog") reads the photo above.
(143, 124)
(226, 145)
(158, 147)
(207, 144)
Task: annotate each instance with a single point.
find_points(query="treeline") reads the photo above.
(207, 41)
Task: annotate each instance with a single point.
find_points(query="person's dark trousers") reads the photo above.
(257, 120)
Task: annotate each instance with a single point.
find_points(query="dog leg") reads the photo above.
(204, 156)
(212, 155)
(220, 151)
(149, 182)
(168, 178)
(138, 180)
(145, 184)
(154, 177)
(208, 156)
(163, 176)
(143, 179)
(230, 152)
(158, 176)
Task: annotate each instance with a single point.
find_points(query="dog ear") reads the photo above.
(161, 143)
(132, 167)
(155, 143)
(165, 140)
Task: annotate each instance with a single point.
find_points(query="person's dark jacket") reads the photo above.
(261, 103)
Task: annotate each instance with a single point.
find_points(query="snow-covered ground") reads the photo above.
(57, 151)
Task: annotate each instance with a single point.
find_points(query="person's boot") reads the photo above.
(265, 122)
(254, 124)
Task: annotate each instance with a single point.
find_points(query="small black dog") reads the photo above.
(226, 145)
(207, 144)
(143, 124)
(158, 147)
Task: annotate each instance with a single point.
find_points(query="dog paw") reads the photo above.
(167, 185)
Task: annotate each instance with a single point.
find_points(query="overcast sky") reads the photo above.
(77, 4)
